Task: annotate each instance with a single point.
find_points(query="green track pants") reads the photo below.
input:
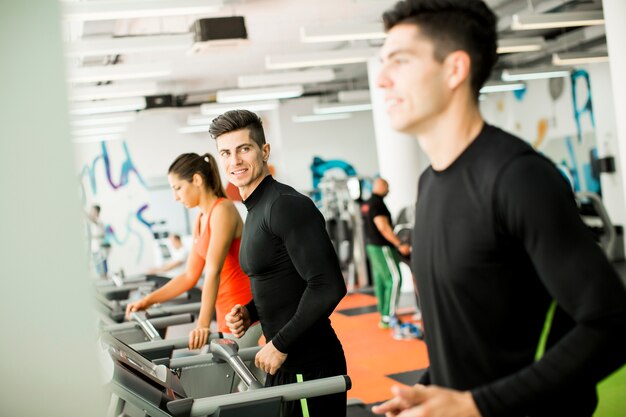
(387, 278)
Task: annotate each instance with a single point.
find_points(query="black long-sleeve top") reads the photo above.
(497, 237)
(295, 275)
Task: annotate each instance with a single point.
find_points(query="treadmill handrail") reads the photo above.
(178, 343)
(146, 326)
(288, 392)
(158, 323)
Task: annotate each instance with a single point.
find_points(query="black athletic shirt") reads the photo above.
(294, 272)
(374, 207)
(497, 237)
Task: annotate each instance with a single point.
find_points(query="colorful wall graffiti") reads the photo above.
(113, 181)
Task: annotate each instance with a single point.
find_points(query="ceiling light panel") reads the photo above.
(353, 95)
(341, 33)
(578, 58)
(512, 45)
(107, 119)
(329, 108)
(215, 109)
(316, 59)
(320, 117)
(82, 11)
(556, 20)
(497, 87)
(253, 94)
(128, 45)
(282, 78)
(112, 91)
(109, 106)
(534, 73)
(118, 72)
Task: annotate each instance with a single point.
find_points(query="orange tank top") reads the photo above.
(234, 285)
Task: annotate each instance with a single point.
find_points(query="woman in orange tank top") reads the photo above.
(196, 182)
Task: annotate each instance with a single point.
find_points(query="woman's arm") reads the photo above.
(175, 287)
(223, 224)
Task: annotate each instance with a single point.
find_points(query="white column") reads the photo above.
(615, 16)
(400, 158)
(47, 319)
(607, 141)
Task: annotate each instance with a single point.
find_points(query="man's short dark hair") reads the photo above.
(452, 25)
(237, 120)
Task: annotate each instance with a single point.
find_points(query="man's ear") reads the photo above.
(458, 67)
(266, 152)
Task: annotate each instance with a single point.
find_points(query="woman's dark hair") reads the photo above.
(452, 25)
(188, 164)
(238, 120)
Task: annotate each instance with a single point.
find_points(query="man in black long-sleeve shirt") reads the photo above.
(295, 275)
(498, 242)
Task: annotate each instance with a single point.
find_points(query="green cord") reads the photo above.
(303, 403)
(547, 324)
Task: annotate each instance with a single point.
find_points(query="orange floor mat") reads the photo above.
(372, 353)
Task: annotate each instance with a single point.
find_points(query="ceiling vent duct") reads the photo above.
(218, 32)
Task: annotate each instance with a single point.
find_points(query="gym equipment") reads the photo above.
(140, 329)
(595, 216)
(142, 388)
(345, 227)
(114, 311)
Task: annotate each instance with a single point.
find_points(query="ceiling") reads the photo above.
(273, 29)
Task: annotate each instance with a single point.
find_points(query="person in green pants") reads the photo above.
(382, 246)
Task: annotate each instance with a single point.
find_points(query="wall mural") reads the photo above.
(113, 181)
(575, 154)
(569, 142)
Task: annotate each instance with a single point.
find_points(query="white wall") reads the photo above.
(351, 140)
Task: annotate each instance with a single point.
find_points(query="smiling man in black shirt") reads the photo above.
(295, 275)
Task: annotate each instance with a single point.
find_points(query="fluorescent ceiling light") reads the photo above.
(118, 72)
(215, 109)
(81, 11)
(97, 138)
(252, 94)
(316, 59)
(194, 129)
(328, 108)
(577, 58)
(342, 33)
(320, 117)
(112, 91)
(534, 73)
(556, 20)
(109, 106)
(102, 130)
(128, 45)
(511, 45)
(113, 118)
(282, 78)
(497, 87)
(353, 95)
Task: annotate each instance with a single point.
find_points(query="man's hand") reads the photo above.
(269, 359)
(428, 401)
(238, 320)
(404, 249)
(198, 337)
(136, 306)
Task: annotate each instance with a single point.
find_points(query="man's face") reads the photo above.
(414, 82)
(242, 160)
